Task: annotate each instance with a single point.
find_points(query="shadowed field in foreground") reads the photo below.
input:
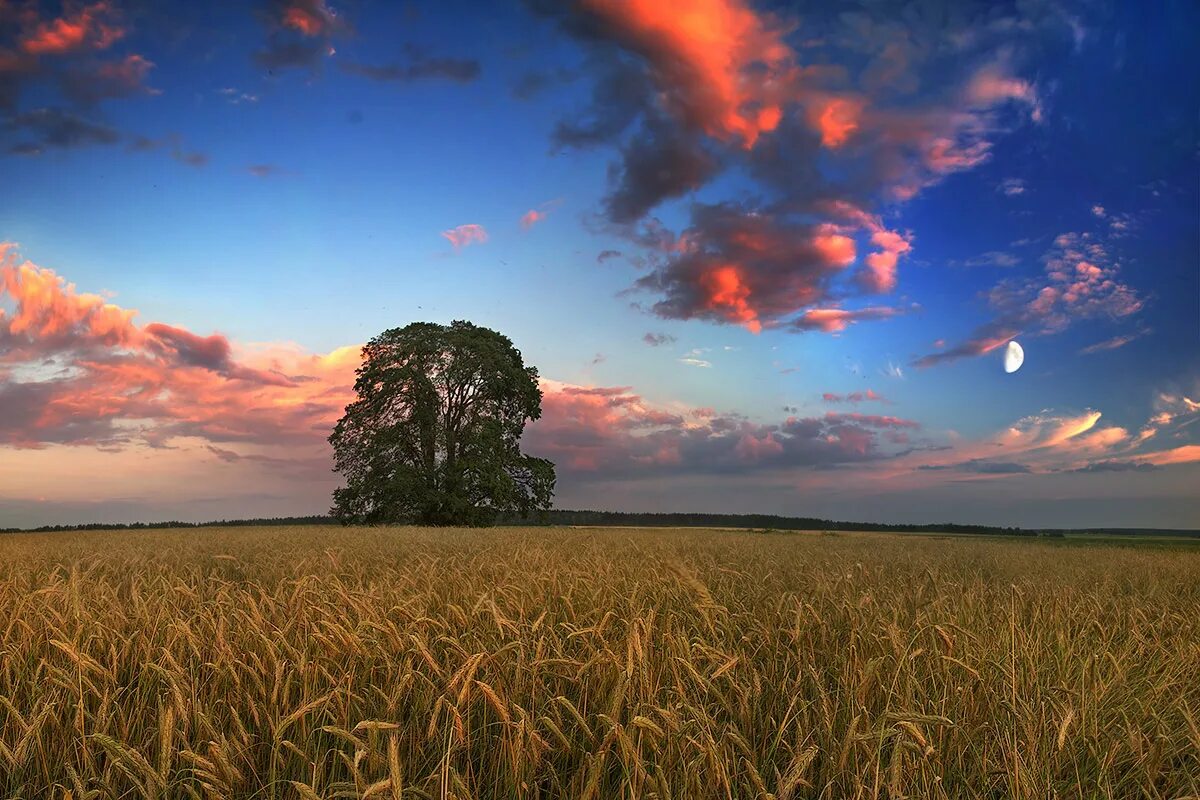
(401, 663)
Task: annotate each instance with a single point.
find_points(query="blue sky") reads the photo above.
(911, 187)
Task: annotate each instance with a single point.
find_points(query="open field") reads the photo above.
(320, 662)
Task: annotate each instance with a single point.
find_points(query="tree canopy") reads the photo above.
(434, 436)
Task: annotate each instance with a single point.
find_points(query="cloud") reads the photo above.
(835, 320)
(82, 371)
(1113, 343)
(172, 144)
(1079, 281)
(192, 158)
(704, 53)
(309, 17)
(236, 96)
(612, 432)
(281, 55)
(534, 82)
(982, 467)
(658, 339)
(880, 273)
(1186, 454)
(1012, 187)
(607, 255)
(871, 420)
(692, 361)
(418, 66)
(685, 92)
(853, 397)
(89, 27)
(539, 214)
(531, 218)
(1051, 442)
(992, 258)
(995, 84)
(754, 269)
(660, 162)
(67, 51)
(1117, 466)
(56, 128)
(264, 170)
(91, 396)
(464, 235)
(300, 34)
(93, 83)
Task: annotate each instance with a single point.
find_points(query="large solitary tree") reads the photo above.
(434, 436)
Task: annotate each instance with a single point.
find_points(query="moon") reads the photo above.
(1014, 357)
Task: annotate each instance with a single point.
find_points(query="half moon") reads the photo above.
(1014, 357)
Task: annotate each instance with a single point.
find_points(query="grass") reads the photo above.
(514, 663)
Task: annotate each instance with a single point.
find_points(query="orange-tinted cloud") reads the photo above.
(1043, 443)
(836, 248)
(91, 375)
(836, 119)
(757, 268)
(91, 27)
(1184, 454)
(464, 235)
(711, 85)
(727, 67)
(300, 34)
(309, 17)
(728, 296)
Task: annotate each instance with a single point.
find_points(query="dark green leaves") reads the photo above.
(434, 436)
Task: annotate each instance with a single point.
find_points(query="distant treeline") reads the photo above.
(659, 520)
(137, 526)
(774, 522)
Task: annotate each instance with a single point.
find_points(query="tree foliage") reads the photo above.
(434, 436)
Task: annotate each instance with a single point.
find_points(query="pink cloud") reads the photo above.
(90, 27)
(756, 269)
(994, 84)
(611, 431)
(880, 275)
(1080, 281)
(464, 235)
(92, 375)
(532, 217)
(835, 320)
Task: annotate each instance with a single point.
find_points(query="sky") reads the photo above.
(767, 257)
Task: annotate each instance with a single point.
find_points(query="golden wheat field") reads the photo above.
(316, 662)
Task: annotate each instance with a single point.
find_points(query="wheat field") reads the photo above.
(315, 662)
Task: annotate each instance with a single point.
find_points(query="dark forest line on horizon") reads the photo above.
(672, 519)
